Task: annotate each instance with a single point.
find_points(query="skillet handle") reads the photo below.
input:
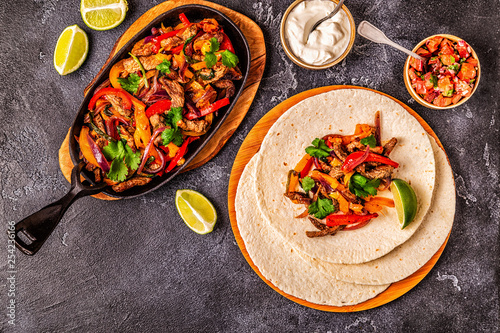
(37, 227)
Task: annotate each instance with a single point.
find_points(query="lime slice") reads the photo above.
(197, 211)
(405, 201)
(103, 14)
(71, 50)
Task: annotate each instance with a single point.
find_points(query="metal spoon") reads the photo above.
(332, 14)
(369, 31)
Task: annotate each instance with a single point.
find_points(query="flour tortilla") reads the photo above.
(279, 262)
(339, 111)
(407, 258)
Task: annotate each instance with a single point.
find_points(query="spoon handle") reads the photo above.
(369, 31)
(332, 14)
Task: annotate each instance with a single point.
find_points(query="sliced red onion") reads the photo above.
(111, 125)
(148, 148)
(324, 183)
(162, 161)
(316, 163)
(192, 107)
(101, 160)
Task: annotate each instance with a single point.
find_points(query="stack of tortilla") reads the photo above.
(351, 266)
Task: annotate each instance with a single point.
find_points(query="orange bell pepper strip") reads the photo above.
(85, 146)
(114, 74)
(304, 165)
(329, 179)
(293, 181)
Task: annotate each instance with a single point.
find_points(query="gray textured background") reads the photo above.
(133, 266)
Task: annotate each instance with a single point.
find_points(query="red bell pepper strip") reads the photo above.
(209, 109)
(157, 40)
(352, 160)
(176, 50)
(126, 101)
(355, 159)
(226, 44)
(307, 168)
(337, 219)
(184, 19)
(182, 151)
(158, 107)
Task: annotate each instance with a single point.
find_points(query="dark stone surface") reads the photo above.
(133, 266)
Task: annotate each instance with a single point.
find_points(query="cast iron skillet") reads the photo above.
(31, 233)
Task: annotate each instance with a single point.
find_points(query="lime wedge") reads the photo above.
(197, 211)
(103, 14)
(71, 50)
(405, 201)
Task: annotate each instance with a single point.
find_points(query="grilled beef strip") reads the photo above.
(149, 62)
(389, 146)
(142, 49)
(196, 125)
(135, 181)
(174, 90)
(299, 197)
(324, 230)
(381, 171)
(124, 134)
(171, 42)
(227, 87)
(117, 105)
(336, 172)
(339, 151)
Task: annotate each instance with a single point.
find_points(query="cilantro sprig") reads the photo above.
(229, 59)
(123, 158)
(307, 184)
(369, 141)
(318, 149)
(130, 83)
(164, 67)
(321, 208)
(172, 134)
(362, 187)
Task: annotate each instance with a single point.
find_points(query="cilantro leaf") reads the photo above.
(172, 135)
(118, 171)
(229, 59)
(362, 187)
(318, 149)
(173, 116)
(210, 59)
(164, 67)
(130, 84)
(133, 160)
(307, 184)
(113, 150)
(214, 45)
(321, 144)
(321, 208)
(452, 58)
(369, 141)
(316, 152)
(123, 158)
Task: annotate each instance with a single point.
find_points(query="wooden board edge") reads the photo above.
(247, 151)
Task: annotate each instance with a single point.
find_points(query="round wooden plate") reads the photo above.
(251, 146)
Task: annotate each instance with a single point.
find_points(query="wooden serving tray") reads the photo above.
(255, 39)
(251, 146)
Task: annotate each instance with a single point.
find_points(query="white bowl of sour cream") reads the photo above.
(327, 45)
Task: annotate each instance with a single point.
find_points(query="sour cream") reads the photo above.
(327, 42)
